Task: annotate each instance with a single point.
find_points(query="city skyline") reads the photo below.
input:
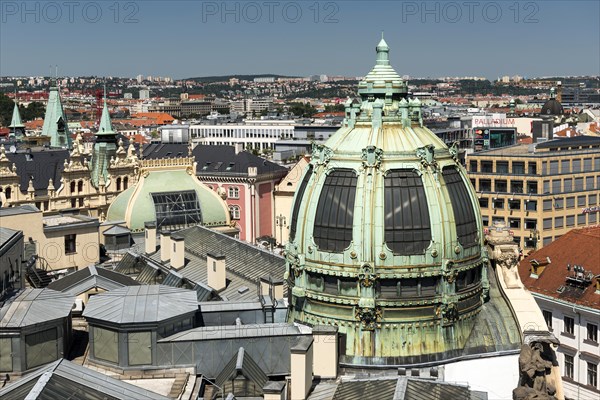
(188, 39)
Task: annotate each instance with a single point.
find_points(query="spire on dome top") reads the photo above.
(383, 57)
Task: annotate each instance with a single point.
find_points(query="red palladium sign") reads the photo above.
(482, 121)
(589, 210)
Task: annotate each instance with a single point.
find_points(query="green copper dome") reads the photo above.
(386, 235)
(172, 197)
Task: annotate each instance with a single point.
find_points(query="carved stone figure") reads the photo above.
(535, 364)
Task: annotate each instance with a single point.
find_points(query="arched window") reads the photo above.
(407, 224)
(335, 211)
(8, 192)
(79, 186)
(118, 184)
(235, 212)
(73, 187)
(125, 182)
(234, 192)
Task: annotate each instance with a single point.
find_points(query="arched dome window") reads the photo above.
(80, 186)
(466, 224)
(73, 186)
(125, 182)
(335, 211)
(296, 209)
(407, 224)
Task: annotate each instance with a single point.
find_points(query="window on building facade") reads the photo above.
(592, 332)
(570, 220)
(556, 186)
(580, 201)
(592, 374)
(587, 164)
(516, 186)
(553, 167)
(578, 184)
(570, 202)
(548, 318)
(589, 183)
(514, 223)
(569, 366)
(559, 222)
(576, 165)
(498, 204)
(486, 166)
(485, 185)
(547, 223)
(502, 167)
(484, 202)
(592, 198)
(532, 187)
(565, 166)
(514, 204)
(569, 325)
(548, 204)
(532, 168)
(531, 205)
(501, 185)
(592, 218)
(233, 192)
(235, 212)
(70, 244)
(473, 165)
(518, 167)
(530, 224)
(568, 185)
(581, 219)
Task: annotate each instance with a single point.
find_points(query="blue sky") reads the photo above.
(201, 38)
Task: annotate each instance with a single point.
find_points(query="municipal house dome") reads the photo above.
(386, 239)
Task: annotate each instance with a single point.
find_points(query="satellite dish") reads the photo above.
(13, 149)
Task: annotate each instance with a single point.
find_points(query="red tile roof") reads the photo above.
(158, 118)
(576, 247)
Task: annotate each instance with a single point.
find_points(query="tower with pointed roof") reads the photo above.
(105, 148)
(17, 129)
(55, 121)
(386, 242)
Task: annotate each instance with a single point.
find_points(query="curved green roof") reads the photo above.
(135, 205)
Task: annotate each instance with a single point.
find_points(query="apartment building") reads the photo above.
(540, 191)
(254, 134)
(564, 279)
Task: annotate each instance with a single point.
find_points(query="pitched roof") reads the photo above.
(222, 160)
(63, 379)
(91, 277)
(241, 364)
(576, 247)
(15, 121)
(140, 304)
(35, 306)
(55, 113)
(41, 165)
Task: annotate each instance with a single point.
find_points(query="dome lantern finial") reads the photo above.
(383, 57)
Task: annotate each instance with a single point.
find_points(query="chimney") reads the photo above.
(537, 267)
(302, 367)
(239, 147)
(215, 265)
(177, 251)
(273, 390)
(165, 246)
(326, 346)
(278, 289)
(150, 241)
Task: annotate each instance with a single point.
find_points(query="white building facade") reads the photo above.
(259, 135)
